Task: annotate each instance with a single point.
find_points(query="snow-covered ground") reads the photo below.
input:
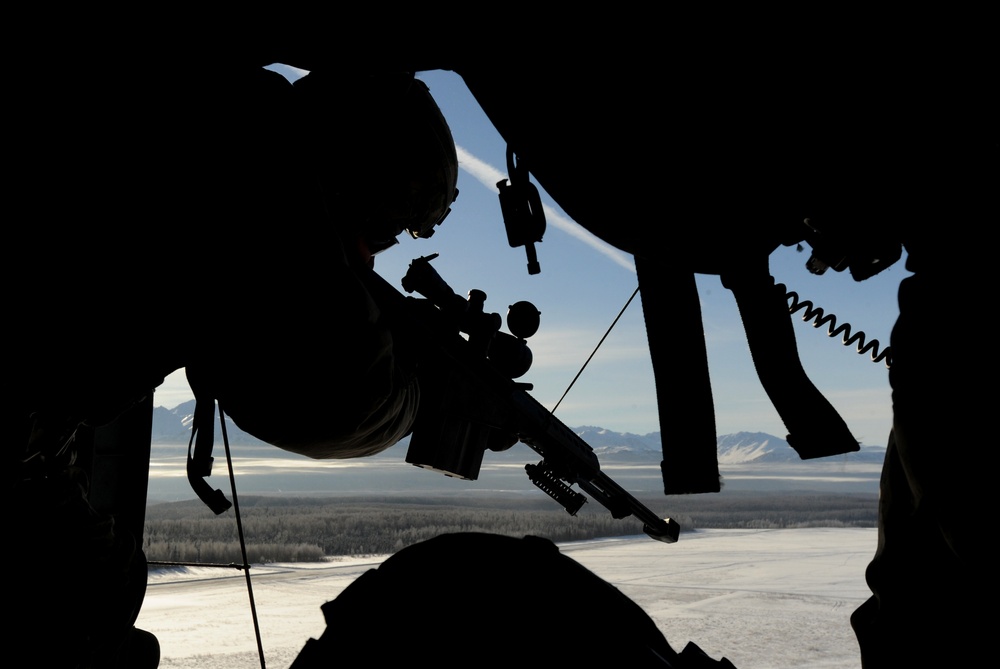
(764, 599)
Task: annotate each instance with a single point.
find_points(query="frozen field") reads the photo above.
(764, 599)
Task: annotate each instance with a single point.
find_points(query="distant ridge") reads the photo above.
(739, 448)
(744, 447)
(759, 447)
(173, 426)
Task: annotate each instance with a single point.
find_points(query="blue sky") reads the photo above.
(583, 285)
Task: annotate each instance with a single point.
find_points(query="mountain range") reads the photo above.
(173, 426)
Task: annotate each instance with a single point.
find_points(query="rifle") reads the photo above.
(471, 403)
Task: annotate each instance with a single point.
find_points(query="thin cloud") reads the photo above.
(488, 175)
(562, 348)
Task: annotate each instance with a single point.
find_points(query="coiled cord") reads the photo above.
(819, 318)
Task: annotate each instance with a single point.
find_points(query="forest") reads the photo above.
(311, 529)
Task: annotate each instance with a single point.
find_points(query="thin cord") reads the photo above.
(820, 318)
(243, 544)
(613, 323)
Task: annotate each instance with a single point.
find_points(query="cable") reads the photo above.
(613, 323)
(245, 567)
(243, 543)
(819, 319)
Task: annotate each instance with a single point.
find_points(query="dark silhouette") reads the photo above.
(178, 161)
(459, 598)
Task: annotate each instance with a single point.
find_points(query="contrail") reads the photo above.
(488, 175)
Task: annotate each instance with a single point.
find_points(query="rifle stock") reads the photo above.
(468, 406)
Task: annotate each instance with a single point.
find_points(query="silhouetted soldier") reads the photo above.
(264, 232)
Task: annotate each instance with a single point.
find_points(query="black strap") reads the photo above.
(680, 363)
(815, 429)
(199, 463)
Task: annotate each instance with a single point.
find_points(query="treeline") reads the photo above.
(309, 529)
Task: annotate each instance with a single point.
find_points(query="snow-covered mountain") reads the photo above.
(173, 426)
(758, 447)
(733, 449)
(750, 447)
